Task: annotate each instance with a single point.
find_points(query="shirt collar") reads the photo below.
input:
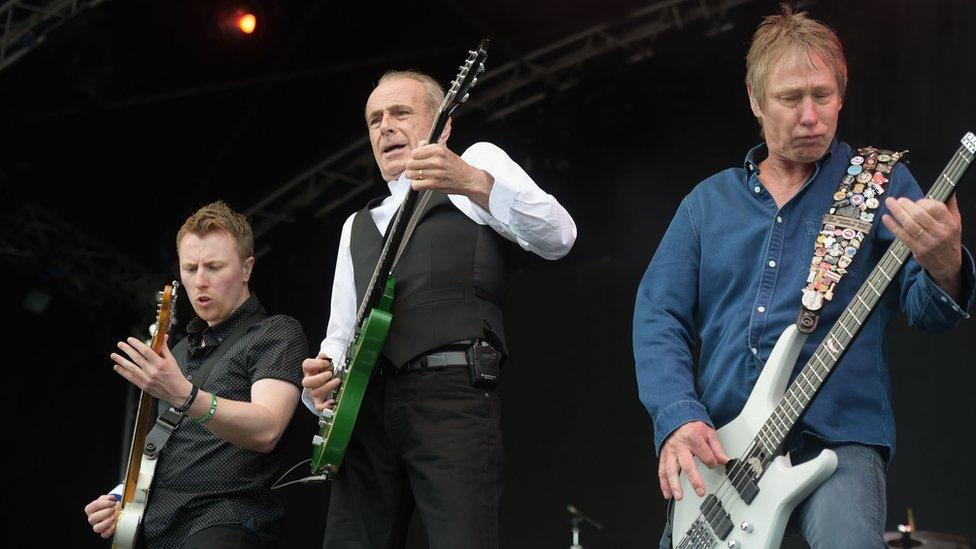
(759, 153)
(198, 327)
(399, 186)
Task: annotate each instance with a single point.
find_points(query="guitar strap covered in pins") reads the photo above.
(847, 223)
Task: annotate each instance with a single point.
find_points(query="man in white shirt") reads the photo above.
(426, 436)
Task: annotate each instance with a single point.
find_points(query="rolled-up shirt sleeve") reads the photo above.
(664, 329)
(517, 208)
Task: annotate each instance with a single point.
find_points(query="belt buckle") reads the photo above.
(435, 361)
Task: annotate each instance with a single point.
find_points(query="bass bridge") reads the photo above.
(713, 525)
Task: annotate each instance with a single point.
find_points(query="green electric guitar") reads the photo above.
(374, 316)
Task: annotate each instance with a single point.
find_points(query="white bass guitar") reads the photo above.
(749, 500)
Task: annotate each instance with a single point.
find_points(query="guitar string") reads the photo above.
(959, 162)
(411, 226)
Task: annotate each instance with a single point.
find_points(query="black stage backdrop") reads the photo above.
(86, 132)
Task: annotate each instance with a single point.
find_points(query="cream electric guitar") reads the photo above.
(749, 500)
(142, 461)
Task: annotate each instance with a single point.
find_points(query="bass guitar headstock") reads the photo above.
(969, 141)
(165, 315)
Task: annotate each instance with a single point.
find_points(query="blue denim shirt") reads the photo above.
(728, 274)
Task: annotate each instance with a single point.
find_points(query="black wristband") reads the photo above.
(189, 400)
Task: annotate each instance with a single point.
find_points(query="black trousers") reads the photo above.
(223, 537)
(426, 441)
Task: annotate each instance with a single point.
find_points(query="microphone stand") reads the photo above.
(577, 519)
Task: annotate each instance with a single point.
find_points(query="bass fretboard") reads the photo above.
(802, 390)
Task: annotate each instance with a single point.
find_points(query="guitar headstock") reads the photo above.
(466, 78)
(969, 141)
(165, 315)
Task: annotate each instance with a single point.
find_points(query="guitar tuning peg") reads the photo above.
(465, 98)
(474, 81)
(481, 68)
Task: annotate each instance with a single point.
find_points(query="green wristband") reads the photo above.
(210, 413)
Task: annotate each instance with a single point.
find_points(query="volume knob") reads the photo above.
(746, 526)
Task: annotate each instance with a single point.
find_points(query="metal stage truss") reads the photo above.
(37, 240)
(329, 185)
(81, 266)
(25, 25)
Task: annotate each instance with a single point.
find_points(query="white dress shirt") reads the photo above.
(517, 209)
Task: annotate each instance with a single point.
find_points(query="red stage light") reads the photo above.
(247, 23)
(239, 19)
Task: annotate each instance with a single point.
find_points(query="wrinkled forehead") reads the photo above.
(397, 91)
(800, 67)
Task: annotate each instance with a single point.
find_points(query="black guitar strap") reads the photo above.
(170, 419)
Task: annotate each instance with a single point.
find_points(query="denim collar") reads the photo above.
(759, 153)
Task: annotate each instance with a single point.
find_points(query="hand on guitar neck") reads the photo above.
(437, 168)
(932, 230)
(693, 439)
(156, 373)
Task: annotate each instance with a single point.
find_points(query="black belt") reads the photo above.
(437, 360)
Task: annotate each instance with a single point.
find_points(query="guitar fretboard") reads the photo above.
(798, 396)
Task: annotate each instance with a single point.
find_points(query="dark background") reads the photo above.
(135, 113)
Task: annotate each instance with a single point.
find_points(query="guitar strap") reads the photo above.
(845, 226)
(170, 419)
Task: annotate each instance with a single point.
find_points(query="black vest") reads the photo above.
(450, 281)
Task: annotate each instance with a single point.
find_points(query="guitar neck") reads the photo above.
(397, 237)
(139, 431)
(144, 414)
(823, 360)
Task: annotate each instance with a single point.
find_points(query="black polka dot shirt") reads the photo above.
(203, 480)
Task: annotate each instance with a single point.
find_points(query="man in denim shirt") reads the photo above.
(729, 274)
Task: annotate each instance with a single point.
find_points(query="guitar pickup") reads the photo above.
(718, 519)
(742, 479)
